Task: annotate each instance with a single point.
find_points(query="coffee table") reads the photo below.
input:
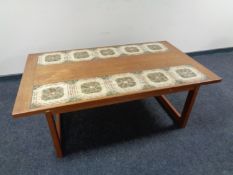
(64, 81)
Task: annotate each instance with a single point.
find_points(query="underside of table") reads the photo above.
(180, 119)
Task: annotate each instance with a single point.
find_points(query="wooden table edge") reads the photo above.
(98, 102)
(28, 76)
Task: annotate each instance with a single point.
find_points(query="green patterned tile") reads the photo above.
(100, 53)
(100, 87)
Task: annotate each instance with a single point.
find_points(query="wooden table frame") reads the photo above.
(36, 75)
(54, 120)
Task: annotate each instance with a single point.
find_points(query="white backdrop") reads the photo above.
(29, 26)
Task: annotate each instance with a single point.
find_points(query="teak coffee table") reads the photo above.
(64, 81)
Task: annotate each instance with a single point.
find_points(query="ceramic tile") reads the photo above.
(91, 88)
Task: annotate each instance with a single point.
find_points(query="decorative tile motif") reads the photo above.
(50, 94)
(92, 88)
(80, 55)
(107, 52)
(154, 47)
(52, 58)
(100, 53)
(132, 50)
(127, 82)
(158, 78)
(186, 73)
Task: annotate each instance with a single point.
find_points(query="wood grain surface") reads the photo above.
(35, 74)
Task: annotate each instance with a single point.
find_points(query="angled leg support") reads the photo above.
(58, 124)
(180, 119)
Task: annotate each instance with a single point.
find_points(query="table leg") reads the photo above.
(54, 134)
(180, 119)
(192, 94)
(58, 125)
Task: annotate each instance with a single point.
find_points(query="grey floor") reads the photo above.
(130, 138)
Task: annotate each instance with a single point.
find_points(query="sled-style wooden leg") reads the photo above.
(58, 125)
(54, 134)
(180, 119)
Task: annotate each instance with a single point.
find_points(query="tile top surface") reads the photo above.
(100, 87)
(68, 79)
(100, 53)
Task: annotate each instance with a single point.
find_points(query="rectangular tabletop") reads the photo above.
(78, 79)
